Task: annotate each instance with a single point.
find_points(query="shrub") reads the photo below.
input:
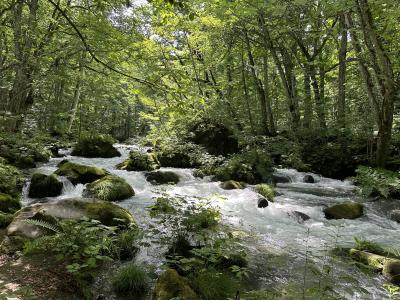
(207, 218)
(139, 161)
(130, 280)
(95, 145)
(5, 219)
(378, 182)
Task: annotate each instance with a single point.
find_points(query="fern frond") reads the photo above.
(43, 224)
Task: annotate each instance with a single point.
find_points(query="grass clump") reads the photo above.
(207, 218)
(162, 206)
(266, 191)
(130, 280)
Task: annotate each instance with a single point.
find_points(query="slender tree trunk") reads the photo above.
(259, 87)
(341, 101)
(267, 95)
(307, 98)
(246, 96)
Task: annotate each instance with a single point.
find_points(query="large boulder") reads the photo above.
(214, 136)
(170, 285)
(262, 202)
(95, 146)
(395, 215)
(299, 216)
(231, 185)
(8, 204)
(139, 161)
(110, 188)
(347, 210)
(77, 173)
(44, 186)
(278, 178)
(159, 177)
(308, 179)
(107, 213)
(390, 267)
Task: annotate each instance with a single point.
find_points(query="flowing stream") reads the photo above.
(283, 250)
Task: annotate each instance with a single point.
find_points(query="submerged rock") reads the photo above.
(170, 285)
(395, 215)
(139, 161)
(231, 185)
(77, 173)
(262, 202)
(347, 210)
(299, 216)
(95, 146)
(308, 179)
(159, 177)
(110, 188)
(44, 186)
(277, 178)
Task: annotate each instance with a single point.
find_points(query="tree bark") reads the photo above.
(341, 101)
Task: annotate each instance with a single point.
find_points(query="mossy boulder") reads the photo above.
(110, 188)
(177, 155)
(95, 146)
(231, 185)
(77, 173)
(9, 204)
(347, 210)
(11, 180)
(75, 208)
(159, 177)
(390, 267)
(266, 191)
(44, 186)
(140, 161)
(171, 285)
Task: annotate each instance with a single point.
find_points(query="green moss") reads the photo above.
(159, 177)
(77, 173)
(231, 185)
(172, 286)
(266, 191)
(348, 210)
(44, 186)
(11, 180)
(130, 280)
(110, 188)
(8, 204)
(139, 161)
(5, 219)
(95, 146)
(108, 213)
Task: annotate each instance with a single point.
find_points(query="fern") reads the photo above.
(43, 224)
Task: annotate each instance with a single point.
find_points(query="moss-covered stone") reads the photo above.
(139, 161)
(77, 173)
(8, 204)
(391, 269)
(75, 208)
(11, 180)
(171, 285)
(110, 188)
(266, 191)
(108, 213)
(44, 186)
(5, 219)
(348, 210)
(159, 177)
(231, 185)
(95, 146)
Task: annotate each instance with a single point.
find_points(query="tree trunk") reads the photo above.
(341, 101)
(307, 98)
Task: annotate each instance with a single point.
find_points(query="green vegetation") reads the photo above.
(139, 161)
(8, 204)
(5, 219)
(378, 182)
(131, 280)
(266, 191)
(207, 218)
